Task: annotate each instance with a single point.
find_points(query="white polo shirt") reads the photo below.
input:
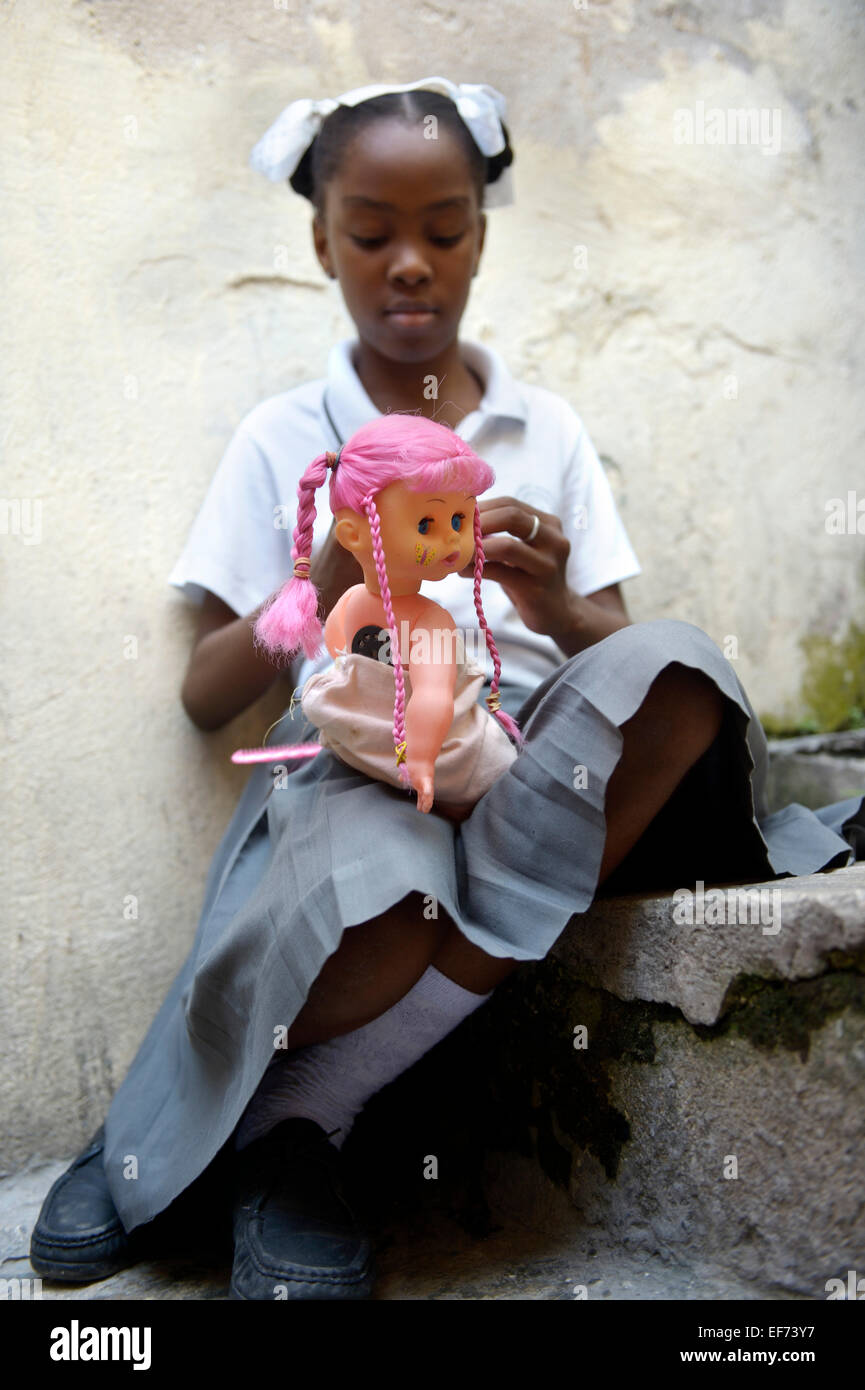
(239, 546)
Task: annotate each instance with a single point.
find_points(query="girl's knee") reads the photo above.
(689, 704)
(679, 637)
(671, 637)
(698, 664)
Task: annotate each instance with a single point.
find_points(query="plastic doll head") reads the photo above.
(423, 456)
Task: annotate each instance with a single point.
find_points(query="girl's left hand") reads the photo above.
(532, 574)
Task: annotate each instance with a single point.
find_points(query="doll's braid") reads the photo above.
(290, 620)
(492, 700)
(399, 738)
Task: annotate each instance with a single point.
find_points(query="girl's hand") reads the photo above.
(531, 574)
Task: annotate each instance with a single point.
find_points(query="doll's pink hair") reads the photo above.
(392, 448)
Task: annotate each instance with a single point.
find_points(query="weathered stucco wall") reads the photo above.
(708, 333)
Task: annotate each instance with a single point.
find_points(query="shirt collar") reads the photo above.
(350, 406)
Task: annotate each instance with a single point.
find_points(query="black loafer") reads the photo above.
(295, 1235)
(79, 1236)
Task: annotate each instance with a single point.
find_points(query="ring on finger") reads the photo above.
(534, 531)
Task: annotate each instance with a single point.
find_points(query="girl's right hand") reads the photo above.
(226, 671)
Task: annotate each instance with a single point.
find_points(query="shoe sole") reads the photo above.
(360, 1289)
(78, 1269)
(82, 1272)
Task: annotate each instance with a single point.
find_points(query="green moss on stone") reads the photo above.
(538, 1082)
(833, 686)
(783, 1013)
(510, 1079)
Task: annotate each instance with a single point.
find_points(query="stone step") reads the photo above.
(715, 1103)
(816, 770)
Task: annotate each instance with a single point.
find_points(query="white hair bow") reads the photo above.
(281, 148)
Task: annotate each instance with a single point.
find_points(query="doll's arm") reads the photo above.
(430, 710)
(334, 628)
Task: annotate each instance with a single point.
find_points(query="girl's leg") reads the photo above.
(374, 966)
(366, 1029)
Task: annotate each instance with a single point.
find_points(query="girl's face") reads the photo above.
(403, 233)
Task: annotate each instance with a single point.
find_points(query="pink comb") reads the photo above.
(276, 754)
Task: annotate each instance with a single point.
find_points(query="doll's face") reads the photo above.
(426, 535)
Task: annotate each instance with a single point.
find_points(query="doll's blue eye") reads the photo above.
(457, 521)
(423, 525)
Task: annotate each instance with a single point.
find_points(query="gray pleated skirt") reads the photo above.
(320, 848)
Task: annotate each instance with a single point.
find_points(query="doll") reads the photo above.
(400, 701)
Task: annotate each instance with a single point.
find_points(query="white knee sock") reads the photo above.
(330, 1082)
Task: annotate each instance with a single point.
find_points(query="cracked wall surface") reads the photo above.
(157, 289)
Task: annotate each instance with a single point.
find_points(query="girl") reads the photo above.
(315, 976)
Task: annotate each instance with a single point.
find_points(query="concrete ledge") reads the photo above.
(655, 949)
(699, 1090)
(816, 770)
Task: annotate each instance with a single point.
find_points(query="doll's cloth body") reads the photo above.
(351, 704)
